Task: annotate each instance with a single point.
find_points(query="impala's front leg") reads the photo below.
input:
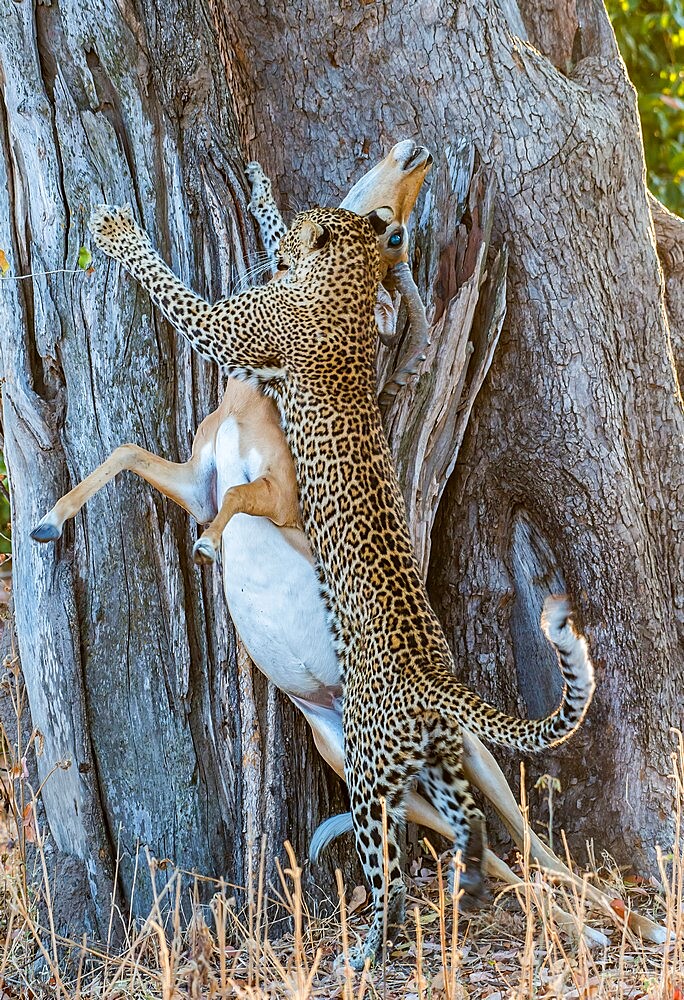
(264, 209)
(233, 332)
(264, 497)
(413, 354)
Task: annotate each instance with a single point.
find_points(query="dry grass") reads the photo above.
(507, 950)
(510, 949)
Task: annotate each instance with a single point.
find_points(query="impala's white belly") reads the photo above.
(271, 589)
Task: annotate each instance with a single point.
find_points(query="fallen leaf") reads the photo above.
(357, 900)
(4, 263)
(479, 977)
(400, 950)
(618, 906)
(636, 880)
(438, 981)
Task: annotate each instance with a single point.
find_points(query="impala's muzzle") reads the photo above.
(415, 157)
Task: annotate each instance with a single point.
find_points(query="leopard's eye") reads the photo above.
(395, 240)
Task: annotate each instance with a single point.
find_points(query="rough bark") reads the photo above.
(568, 475)
(128, 654)
(669, 234)
(572, 465)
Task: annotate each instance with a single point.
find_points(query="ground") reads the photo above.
(507, 950)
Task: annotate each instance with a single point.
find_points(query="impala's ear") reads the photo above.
(380, 218)
(312, 236)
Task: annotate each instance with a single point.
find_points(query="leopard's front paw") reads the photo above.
(112, 227)
(262, 193)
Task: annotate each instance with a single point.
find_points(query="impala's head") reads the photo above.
(394, 183)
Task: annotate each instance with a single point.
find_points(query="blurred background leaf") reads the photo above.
(5, 541)
(650, 34)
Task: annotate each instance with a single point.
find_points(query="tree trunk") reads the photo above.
(127, 651)
(568, 475)
(571, 468)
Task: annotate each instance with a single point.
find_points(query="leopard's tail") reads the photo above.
(529, 735)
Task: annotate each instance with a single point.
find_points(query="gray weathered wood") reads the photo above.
(128, 655)
(571, 464)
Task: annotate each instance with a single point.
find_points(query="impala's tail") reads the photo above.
(327, 831)
(529, 735)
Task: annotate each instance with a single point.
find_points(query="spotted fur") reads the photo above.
(309, 338)
(263, 207)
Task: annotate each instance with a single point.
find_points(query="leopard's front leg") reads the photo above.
(234, 332)
(119, 236)
(263, 207)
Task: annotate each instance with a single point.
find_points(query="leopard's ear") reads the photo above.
(312, 236)
(380, 218)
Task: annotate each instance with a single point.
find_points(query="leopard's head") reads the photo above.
(334, 249)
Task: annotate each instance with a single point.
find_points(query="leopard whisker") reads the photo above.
(251, 275)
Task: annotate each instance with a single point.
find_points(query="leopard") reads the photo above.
(308, 340)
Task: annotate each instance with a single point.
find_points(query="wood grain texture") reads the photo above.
(570, 468)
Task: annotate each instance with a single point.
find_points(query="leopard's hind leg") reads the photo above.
(446, 786)
(377, 789)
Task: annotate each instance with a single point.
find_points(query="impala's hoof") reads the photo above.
(254, 169)
(203, 551)
(475, 892)
(472, 903)
(471, 883)
(46, 532)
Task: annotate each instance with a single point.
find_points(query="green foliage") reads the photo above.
(84, 258)
(650, 34)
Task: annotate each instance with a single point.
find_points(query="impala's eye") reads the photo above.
(395, 240)
(282, 264)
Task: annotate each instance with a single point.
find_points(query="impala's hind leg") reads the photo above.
(263, 207)
(445, 784)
